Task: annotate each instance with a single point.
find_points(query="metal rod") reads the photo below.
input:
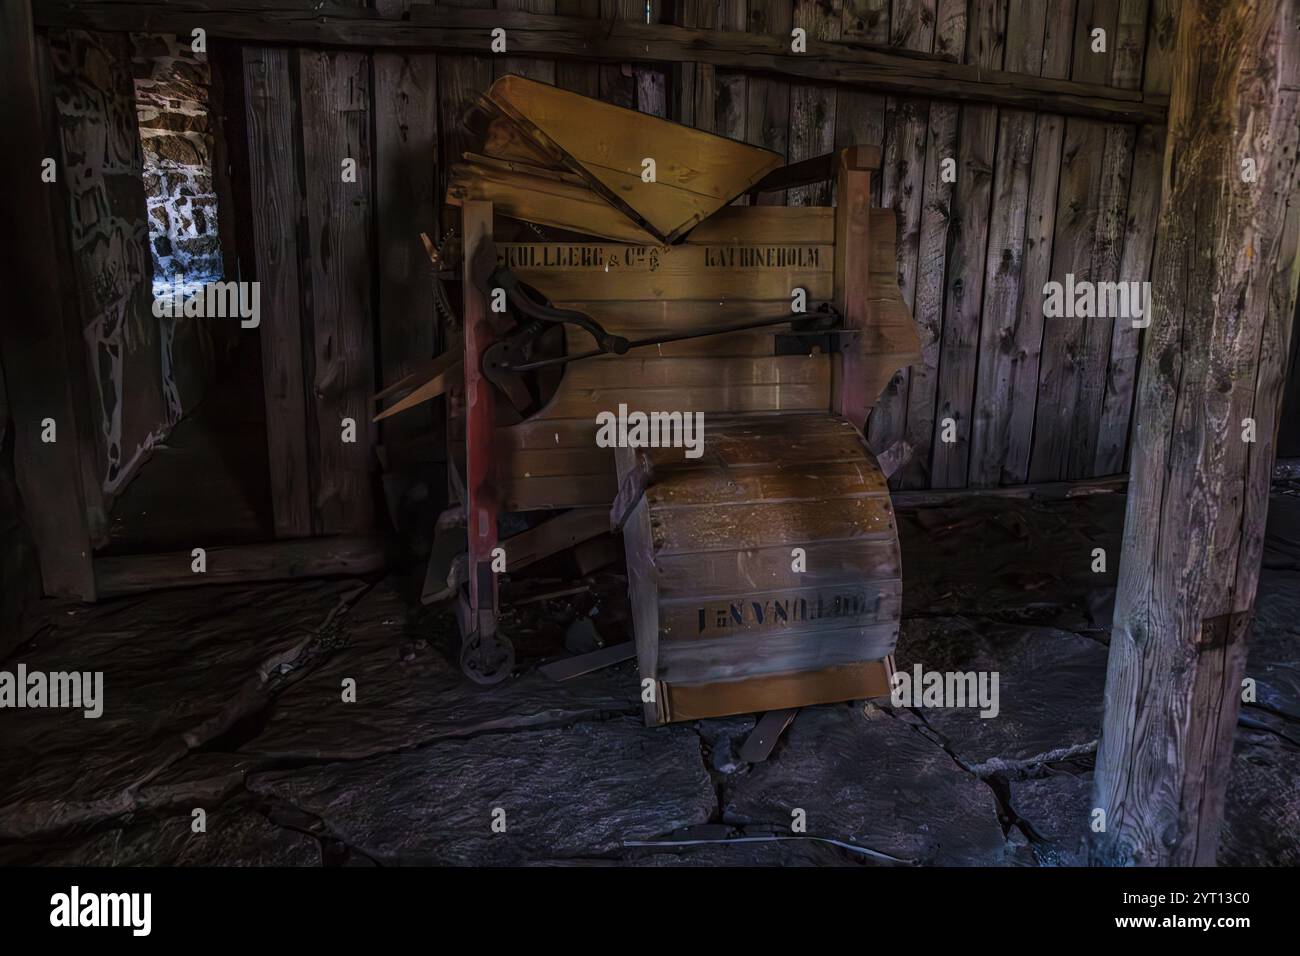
(656, 340)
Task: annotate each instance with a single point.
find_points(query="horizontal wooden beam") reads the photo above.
(1049, 490)
(242, 564)
(533, 35)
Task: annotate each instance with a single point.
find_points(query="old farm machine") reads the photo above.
(603, 268)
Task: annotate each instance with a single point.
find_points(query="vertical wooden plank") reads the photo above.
(1107, 249)
(617, 83)
(80, 379)
(41, 357)
(1027, 28)
(571, 74)
(461, 80)
(852, 251)
(941, 143)
(103, 169)
(541, 70)
(859, 115)
(732, 111)
(695, 84)
(768, 121)
(812, 108)
(1224, 290)
(335, 93)
(1139, 234)
(1040, 227)
(277, 221)
(229, 151)
(902, 189)
(1080, 198)
(406, 204)
(651, 81)
(964, 292)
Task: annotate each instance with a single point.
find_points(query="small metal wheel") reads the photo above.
(487, 662)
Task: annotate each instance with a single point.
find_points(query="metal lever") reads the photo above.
(503, 278)
(814, 326)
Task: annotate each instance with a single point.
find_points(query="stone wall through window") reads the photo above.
(171, 90)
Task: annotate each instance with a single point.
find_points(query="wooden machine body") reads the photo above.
(728, 619)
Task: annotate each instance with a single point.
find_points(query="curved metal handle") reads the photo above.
(502, 277)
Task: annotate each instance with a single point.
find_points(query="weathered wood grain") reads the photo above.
(812, 108)
(1138, 241)
(902, 189)
(936, 221)
(617, 84)
(135, 401)
(773, 652)
(1224, 293)
(964, 268)
(544, 71)
(689, 576)
(860, 116)
(731, 89)
(43, 353)
(768, 109)
(335, 90)
(1108, 247)
(573, 74)
(554, 535)
(767, 692)
(1035, 270)
(406, 204)
(695, 173)
(458, 31)
(711, 543)
(1028, 28)
(520, 192)
(743, 526)
(344, 556)
(462, 79)
(275, 147)
(643, 590)
(1059, 435)
(694, 94)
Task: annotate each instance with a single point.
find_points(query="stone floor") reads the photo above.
(230, 701)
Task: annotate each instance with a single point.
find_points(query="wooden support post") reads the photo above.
(852, 245)
(40, 358)
(480, 479)
(1223, 293)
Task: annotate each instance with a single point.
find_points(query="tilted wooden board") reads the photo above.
(696, 173)
(724, 620)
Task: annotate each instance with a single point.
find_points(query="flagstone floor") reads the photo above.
(229, 701)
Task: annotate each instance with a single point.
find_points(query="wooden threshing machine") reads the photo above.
(603, 270)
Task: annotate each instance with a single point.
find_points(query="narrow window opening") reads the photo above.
(172, 85)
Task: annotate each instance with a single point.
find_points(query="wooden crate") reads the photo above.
(765, 574)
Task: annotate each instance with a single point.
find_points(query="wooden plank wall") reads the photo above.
(102, 171)
(343, 169)
(1036, 196)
